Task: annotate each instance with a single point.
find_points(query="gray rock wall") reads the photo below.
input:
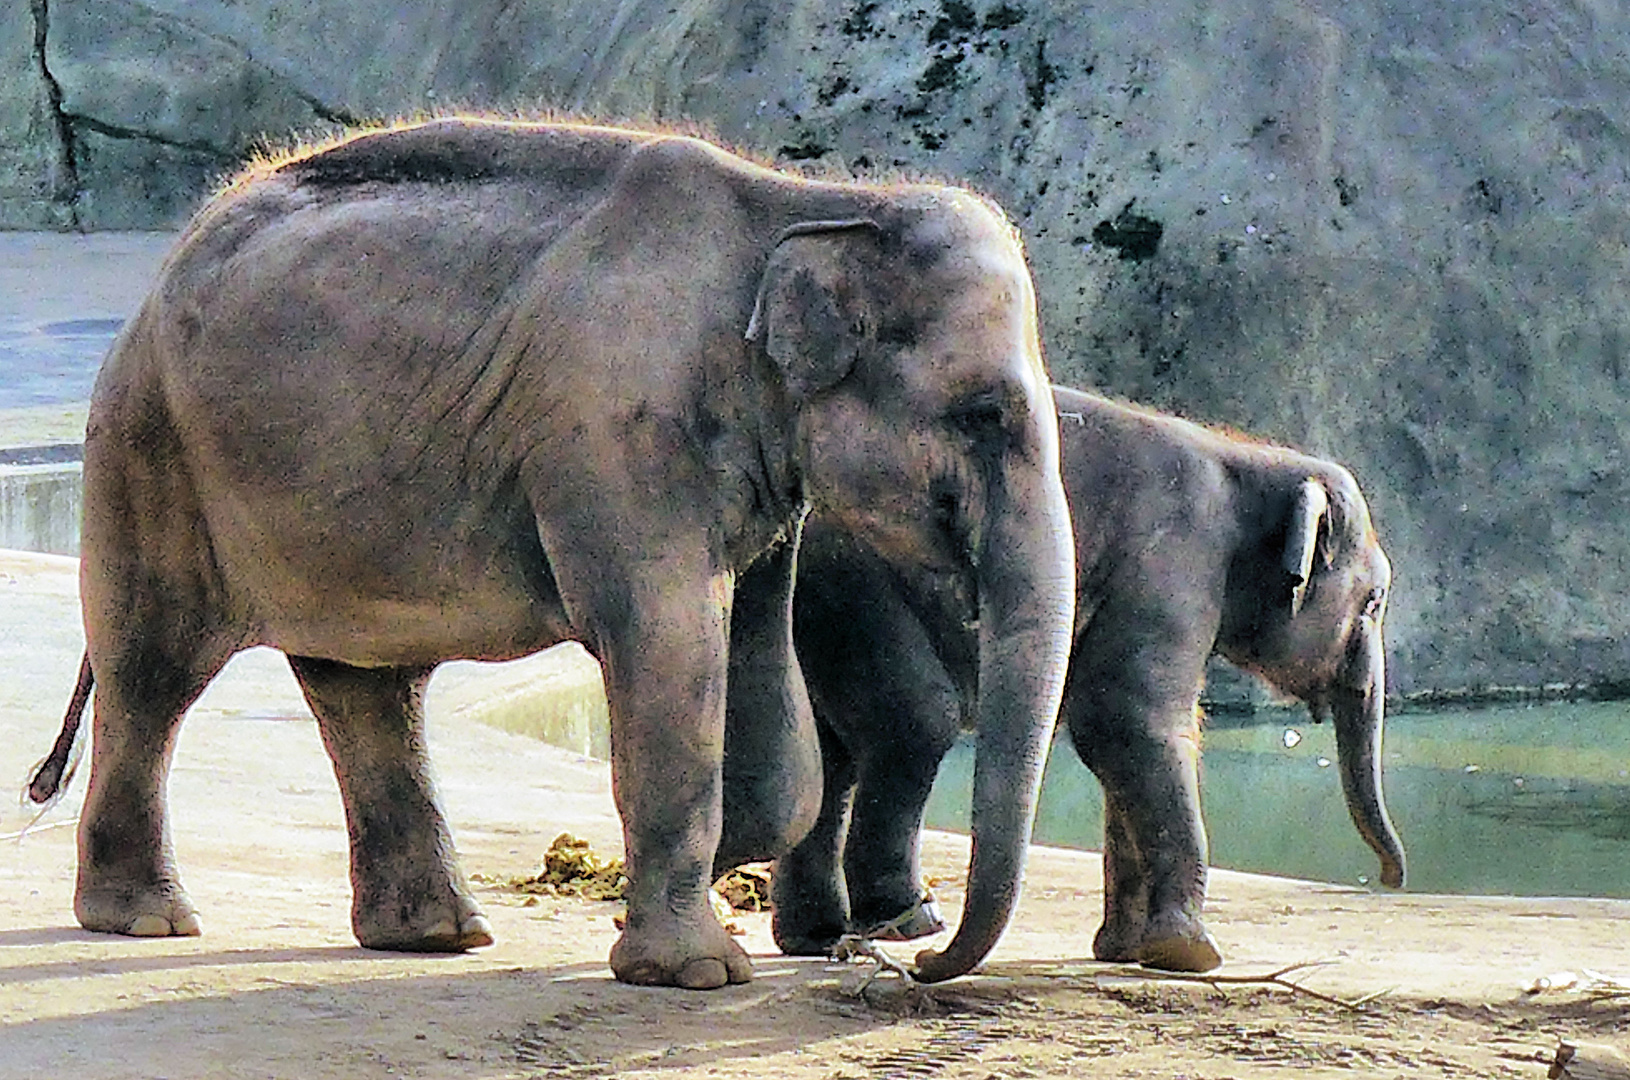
(34, 188)
(1392, 232)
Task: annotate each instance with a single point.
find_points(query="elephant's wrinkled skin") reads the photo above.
(471, 388)
(1188, 541)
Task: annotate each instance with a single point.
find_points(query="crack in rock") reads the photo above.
(329, 114)
(64, 191)
(119, 131)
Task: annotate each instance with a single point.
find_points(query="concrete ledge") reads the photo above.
(556, 696)
(40, 507)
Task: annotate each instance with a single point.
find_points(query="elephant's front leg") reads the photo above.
(665, 668)
(899, 746)
(408, 892)
(1126, 888)
(890, 705)
(882, 855)
(1155, 841)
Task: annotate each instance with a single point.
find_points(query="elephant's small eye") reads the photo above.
(898, 332)
(1374, 602)
(981, 420)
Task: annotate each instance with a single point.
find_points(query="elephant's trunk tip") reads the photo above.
(932, 967)
(1392, 869)
(1370, 816)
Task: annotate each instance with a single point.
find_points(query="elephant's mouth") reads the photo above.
(940, 541)
(954, 533)
(1328, 701)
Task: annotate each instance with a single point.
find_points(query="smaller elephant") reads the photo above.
(1189, 541)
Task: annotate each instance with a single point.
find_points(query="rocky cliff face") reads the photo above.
(1387, 231)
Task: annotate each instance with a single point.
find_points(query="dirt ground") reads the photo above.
(276, 987)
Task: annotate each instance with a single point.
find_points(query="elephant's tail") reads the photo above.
(51, 776)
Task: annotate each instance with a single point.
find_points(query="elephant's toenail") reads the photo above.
(705, 974)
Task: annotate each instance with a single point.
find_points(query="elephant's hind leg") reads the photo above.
(807, 889)
(408, 893)
(1160, 821)
(155, 633)
(1164, 818)
(128, 882)
(1154, 859)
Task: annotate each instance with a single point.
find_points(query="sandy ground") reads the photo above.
(276, 987)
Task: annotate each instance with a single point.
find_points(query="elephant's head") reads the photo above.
(907, 342)
(1307, 603)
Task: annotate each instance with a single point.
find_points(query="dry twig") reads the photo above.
(1593, 984)
(1272, 978)
(34, 826)
(852, 947)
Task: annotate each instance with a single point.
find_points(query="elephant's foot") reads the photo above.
(1173, 943)
(452, 923)
(151, 910)
(805, 937)
(810, 910)
(1178, 943)
(1117, 941)
(1181, 954)
(695, 958)
(919, 920)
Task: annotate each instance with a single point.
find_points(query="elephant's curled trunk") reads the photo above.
(1026, 618)
(1359, 713)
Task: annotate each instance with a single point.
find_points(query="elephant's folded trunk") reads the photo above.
(1007, 778)
(1359, 718)
(1027, 607)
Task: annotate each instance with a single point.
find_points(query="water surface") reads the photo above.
(1527, 801)
(52, 363)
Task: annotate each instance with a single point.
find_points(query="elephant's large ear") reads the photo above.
(1307, 517)
(810, 308)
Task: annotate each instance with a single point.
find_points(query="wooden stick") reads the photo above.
(854, 947)
(32, 827)
(1272, 978)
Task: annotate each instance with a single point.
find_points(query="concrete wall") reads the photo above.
(1391, 232)
(39, 508)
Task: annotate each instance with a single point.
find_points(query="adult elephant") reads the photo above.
(1188, 541)
(471, 388)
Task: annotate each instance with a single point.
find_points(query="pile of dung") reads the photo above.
(572, 868)
(746, 888)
